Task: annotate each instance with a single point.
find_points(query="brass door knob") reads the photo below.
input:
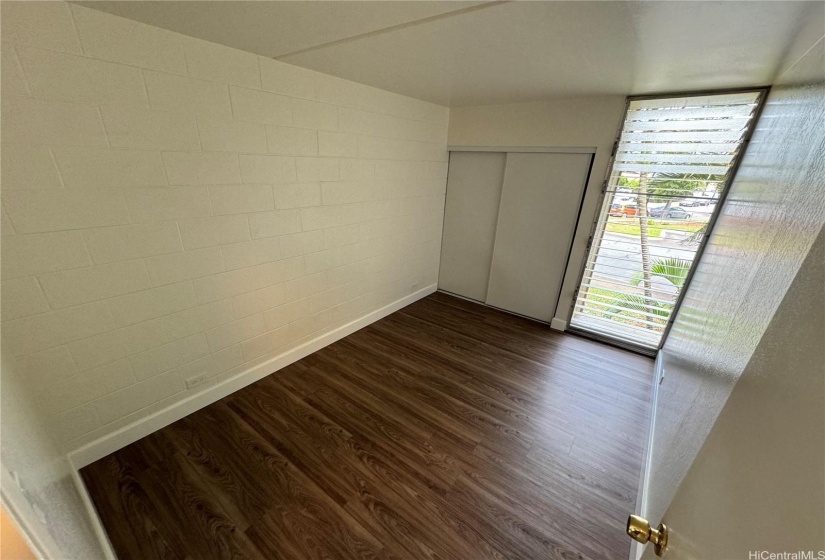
(639, 530)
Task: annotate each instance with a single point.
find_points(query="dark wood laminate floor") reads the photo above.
(446, 430)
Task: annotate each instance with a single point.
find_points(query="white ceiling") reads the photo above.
(273, 28)
(474, 53)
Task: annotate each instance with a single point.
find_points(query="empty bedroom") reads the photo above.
(448, 280)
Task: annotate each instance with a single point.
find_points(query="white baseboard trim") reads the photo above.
(118, 439)
(637, 549)
(91, 513)
(558, 324)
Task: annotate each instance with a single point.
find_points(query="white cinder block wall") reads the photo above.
(173, 207)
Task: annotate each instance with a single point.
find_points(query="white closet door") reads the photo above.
(539, 207)
(473, 194)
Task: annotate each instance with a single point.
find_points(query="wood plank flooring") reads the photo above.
(447, 430)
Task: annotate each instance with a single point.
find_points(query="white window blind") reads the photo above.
(672, 161)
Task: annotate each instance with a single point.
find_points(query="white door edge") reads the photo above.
(636, 549)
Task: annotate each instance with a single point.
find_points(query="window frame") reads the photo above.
(763, 92)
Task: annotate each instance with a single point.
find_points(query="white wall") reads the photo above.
(37, 484)
(559, 122)
(172, 208)
(772, 215)
(760, 475)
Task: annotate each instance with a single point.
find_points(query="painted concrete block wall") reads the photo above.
(173, 207)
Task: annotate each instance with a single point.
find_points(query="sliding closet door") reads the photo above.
(540, 204)
(473, 193)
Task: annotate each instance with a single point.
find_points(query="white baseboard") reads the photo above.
(118, 439)
(637, 549)
(91, 513)
(558, 324)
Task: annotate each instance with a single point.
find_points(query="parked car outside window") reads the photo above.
(624, 210)
(675, 212)
(694, 202)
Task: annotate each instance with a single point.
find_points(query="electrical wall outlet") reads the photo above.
(197, 380)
